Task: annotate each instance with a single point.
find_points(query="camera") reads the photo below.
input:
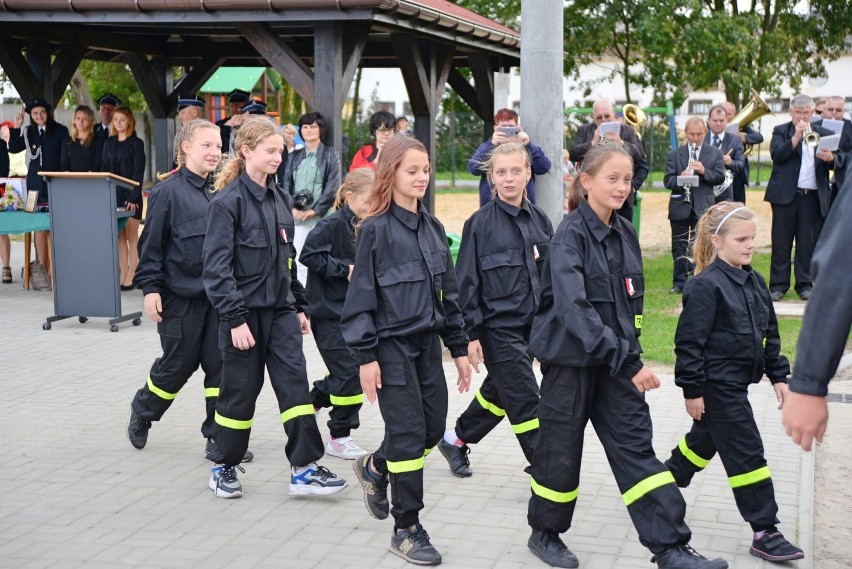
(510, 131)
(303, 200)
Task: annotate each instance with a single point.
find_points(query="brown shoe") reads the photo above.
(7, 275)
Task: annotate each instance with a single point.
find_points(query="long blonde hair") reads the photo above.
(593, 161)
(87, 137)
(186, 133)
(254, 130)
(393, 152)
(357, 181)
(717, 220)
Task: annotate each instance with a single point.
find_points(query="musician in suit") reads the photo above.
(729, 144)
(800, 196)
(749, 137)
(589, 135)
(835, 108)
(694, 158)
(106, 108)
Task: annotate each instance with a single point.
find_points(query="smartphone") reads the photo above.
(510, 131)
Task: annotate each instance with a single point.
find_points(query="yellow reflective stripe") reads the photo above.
(297, 411)
(489, 406)
(290, 263)
(637, 321)
(752, 477)
(648, 485)
(442, 295)
(691, 456)
(525, 426)
(553, 495)
(347, 400)
(427, 451)
(159, 392)
(405, 465)
(211, 392)
(233, 423)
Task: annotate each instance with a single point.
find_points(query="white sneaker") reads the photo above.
(344, 447)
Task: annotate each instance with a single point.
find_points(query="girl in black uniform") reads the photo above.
(124, 155)
(83, 151)
(586, 336)
(727, 338)
(402, 296)
(250, 278)
(329, 254)
(503, 248)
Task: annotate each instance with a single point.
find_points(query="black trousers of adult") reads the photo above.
(413, 402)
(570, 397)
(728, 428)
(340, 389)
(682, 233)
(799, 220)
(188, 335)
(278, 347)
(510, 389)
(739, 188)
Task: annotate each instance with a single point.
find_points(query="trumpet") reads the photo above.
(811, 138)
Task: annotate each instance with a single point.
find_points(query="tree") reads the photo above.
(506, 12)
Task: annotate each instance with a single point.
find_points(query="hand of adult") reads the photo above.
(474, 354)
(304, 326)
(805, 418)
(695, 407)
(153, 306)
(242, 338)
(297, 214)
(499, 137)
(131, 206)
(697, 167)
(463, 367)
(351, 268)
(646, 380)
(308, 214)
(524, 138)
(19, 117)
(727, 157)
(371, 380)
(825, 155)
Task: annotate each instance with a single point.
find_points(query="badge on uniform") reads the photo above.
(283, 234)
(535, 253)
(628, 284)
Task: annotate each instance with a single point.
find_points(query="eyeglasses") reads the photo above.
(384, 130)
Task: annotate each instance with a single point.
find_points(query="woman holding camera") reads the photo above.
(312, 177)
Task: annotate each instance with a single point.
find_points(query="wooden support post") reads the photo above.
(194, 80)
(64, 65)
(15, 65)
(281, 56)
(483, 79)
(38, 59)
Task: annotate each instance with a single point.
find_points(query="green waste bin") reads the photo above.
(637, 212)
(454, 241)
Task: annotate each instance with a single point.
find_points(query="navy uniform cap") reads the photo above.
(37, 102)
(255, 108)
(189, 101)
(238, 96)
(109, 99)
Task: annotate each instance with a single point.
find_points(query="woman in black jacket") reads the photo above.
(83, 151)
(124, 155)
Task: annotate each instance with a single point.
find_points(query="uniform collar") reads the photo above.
(740, 276)
(409, 218)
(599, 229)
(510, 209)
(194, 179)
(255, 189)
(348, 214)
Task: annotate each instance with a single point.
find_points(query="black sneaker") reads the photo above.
(684, 557)
(548, 547)
(212, 453)
(774, 547)
(457, 457)
(137, 430)
(413, 545)
(375, 487)
(776, 295)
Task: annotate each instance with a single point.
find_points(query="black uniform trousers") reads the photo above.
(800, 220)
(278, 347)
(510, 389)
(413, 402)
(572, 396)
(682, 233)
(728, 428)
(188, 335)
(340, 389)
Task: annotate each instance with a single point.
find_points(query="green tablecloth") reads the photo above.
(15, 222)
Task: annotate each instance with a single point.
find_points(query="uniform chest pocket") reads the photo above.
(286, 246)
(599, 289)
(190, 240)
(251, 250)
(404, 292)
(503, 273)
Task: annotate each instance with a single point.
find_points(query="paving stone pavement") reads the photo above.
(78, 495)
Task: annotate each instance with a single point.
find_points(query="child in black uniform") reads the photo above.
(402, 295)
(250, 279)
(586, 336)
(329, 254)
(503, 248)
(727, 338)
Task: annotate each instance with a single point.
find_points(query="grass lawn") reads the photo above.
(661, 312)
(461, 174)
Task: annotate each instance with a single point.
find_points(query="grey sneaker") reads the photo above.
(137, 430)
(224, 483)
(375, 487)
(315, 480)
(413, 545)
(457, 457)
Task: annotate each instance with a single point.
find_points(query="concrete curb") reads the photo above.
(805, 525)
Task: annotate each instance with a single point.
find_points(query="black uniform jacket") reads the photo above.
(727, 332)
(843, 154)
(328, 166)
(249, 257)
(702, 197)
(499, 265)
(786, 164)
(51, 153)
(79, 158)
(592, 294)
(171, 241)
(327, 253)
(126, 159)
(828, 318)
(403, 284)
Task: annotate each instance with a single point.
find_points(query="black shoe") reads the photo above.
(137, 430)
(776, 295)
(684, 557)
(774, 547)
(805, 294)
(413, 545)
(213, 454)
(457, 457)
(549, 548)
(375, 488)
(125, 288)
(676, 290)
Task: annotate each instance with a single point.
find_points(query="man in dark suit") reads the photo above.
(729, 144)
(835, 109)
(106, 107)
(800, 196)
(749, 137)
(237, 98)
(694, 158)
(589, 135)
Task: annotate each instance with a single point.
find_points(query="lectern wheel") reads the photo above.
(137, 321)
(82, 319)
(113, 327)
(46, 326)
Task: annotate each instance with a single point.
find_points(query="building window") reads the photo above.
(384, 106)
(700, 106)
(778, 105)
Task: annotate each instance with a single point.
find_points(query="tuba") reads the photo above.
(635, 117)
(752, 111)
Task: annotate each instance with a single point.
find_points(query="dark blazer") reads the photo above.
(328, 162)
(786, 164)
(79, 158)
(4, 159)
(843, 154)
(752, 137)
(101, 131)
(51, 153)
(730, 143)
(126, 159)
(702, 196)
(583, 142)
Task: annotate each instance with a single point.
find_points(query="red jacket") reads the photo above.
(365, 157)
